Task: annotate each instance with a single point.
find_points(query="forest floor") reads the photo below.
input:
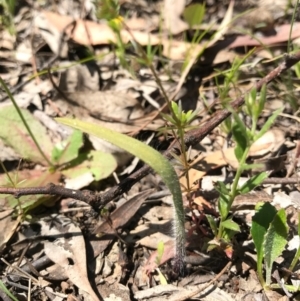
(104, 228)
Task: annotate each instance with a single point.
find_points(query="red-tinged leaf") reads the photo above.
(169, 252)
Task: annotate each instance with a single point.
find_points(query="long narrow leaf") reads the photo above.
(151, 157)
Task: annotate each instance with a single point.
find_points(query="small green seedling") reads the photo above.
(243, 138)
(269, 232)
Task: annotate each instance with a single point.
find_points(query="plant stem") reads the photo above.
(234, 188)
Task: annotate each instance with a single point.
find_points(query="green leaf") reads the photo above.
(68, 150)
(14, 133)
(168, 118)
(162, 278)
(223, 205)
(268, 124)
(253, 182)
(151, 157)
(7, 292)
(160, 252)
(100, 164)
(240, 137)
(193, 14)
(260, 224)
(231, 225)
(275, 241)
(239, 151)
(261, 102)
(212, 223)
(222, 188)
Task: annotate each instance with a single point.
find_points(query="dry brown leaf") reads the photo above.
(268, 143)
(91, 33)
(123, 214)
(282, 35)
(68, 250)
(8, 226)
(172, 12)
(204, 164)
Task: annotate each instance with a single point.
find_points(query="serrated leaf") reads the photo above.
(231, 225)
(100, 164)
(68, 150)
(254, 181)
(14, 133)
(275, 241)
(260, 224)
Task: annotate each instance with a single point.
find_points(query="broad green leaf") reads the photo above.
(231, 225)
(239, 151)
(240, 137)
(14, 134)
(151, 157)
(193, 14)
(223, 205)
(260, 224)
(239, 129)
(253, 182)
(275, 241)
(68, 150)
(100, 164)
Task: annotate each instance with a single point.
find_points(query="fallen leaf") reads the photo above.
(282, 35)
(172, 12)
(14, 133)
(270, 142)
(123, 214)
(64, 250)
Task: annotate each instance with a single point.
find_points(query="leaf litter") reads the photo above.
(98, 266)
